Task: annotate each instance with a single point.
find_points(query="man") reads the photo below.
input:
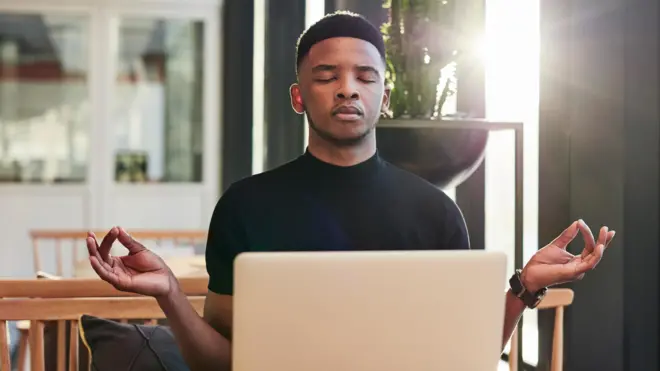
(339, 195)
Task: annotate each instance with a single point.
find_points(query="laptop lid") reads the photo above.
(368, 311)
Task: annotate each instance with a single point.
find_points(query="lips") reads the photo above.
(347, 110)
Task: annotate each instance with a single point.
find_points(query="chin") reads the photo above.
(350, 131)
(356, 124)
(342, 132)
(349, 138)
(347, 141)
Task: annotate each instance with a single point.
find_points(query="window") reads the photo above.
(157, 107)
(44, 98)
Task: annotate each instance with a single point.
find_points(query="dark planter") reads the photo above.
(444, 152)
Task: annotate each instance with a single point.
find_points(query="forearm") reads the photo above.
(513, 310)
(202, 346)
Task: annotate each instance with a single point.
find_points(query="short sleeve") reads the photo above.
(226, 239)
(456, 232)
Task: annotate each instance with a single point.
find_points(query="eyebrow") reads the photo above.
(323, 67)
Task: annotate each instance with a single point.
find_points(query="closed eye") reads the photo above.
(368, 74)
(326, 80)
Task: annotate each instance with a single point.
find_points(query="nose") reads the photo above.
(347, 90)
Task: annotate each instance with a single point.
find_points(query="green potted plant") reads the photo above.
(418, 134)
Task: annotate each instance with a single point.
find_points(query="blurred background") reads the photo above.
(141, 113)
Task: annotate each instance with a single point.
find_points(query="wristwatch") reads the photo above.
(530, 299)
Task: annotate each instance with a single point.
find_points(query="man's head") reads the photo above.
(341, 78)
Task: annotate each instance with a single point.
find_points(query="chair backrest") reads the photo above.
(83, 288)
(62, 301)
(556, 299)
(70, 242)
(38, 311)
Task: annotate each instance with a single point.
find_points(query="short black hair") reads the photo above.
(341, 23)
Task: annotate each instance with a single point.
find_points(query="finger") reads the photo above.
(591, 261)
(602, 240)
(106, 244)
(602, 235)
(92, 245)
(103, 272)
(132, 245)
(588, 237)
(610, 237)
(93, 249)
(566, 236)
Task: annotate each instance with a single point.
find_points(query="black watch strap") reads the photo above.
(530, 299)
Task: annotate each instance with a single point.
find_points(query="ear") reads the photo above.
(296, 99)
(385, 105)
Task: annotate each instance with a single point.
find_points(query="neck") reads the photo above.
(342, 156)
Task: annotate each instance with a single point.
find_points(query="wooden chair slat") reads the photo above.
(22, 349)
(84, 287)
(71, 309)
(35, 255)
(138, 234)
(37, 357)
(61, 345)
(75, 251)
(73, 346)
(557, 298)
(5, 361)
(58, 257)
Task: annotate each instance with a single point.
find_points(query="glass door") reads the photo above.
(162, 119)
(157, 100)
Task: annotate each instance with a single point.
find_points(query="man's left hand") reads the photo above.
(553, 265)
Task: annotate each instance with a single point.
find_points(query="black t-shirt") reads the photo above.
(310, 205)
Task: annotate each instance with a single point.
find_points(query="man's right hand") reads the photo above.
(141, 271)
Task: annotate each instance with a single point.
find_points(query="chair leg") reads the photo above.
(558, 341)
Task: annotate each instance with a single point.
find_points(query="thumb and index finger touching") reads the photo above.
(590, 259)
(102, 251)
(593, 250)
(99, 255)
(579, 226)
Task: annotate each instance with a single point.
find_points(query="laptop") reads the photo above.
(368, 311)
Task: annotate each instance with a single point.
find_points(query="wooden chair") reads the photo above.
(556, 299)
(74, 240)
(23, 328)
(39, 310)
(59, 295)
